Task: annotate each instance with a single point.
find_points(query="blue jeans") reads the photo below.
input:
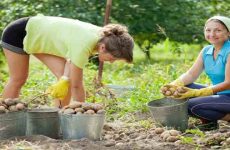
(211, 108)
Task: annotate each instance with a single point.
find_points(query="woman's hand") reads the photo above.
(195, 93)
(60, 89)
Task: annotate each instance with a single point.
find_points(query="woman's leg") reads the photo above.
(56, 65)
(18, 65)
(196, 102)
(211, 108)
(196, 86)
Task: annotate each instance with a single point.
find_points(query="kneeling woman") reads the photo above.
(210, 103)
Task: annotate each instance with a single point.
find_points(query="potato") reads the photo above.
(20, 106)
(4, 105)
(13, 108)
(159, 130)
(65, 107)
(17, 100)
(75, 104)
(79, 110)
(163, 89)
(101, 111)
(181, 90)
(165, 132)
(168, 93)
(163, 92)
(86, 106)
(175, 94)
(2, 109)
(90, 111)
(25, 104)
(174, 132)
(172, 139)
(9, 102)
(97, 107)
(228, 140)
(79, 113)
(166, 135)
(69, 111)
(172, 90)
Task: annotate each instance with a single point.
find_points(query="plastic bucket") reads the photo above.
(43, 122)
(170, 112)
(120, 90)
(82, 126)
(12, 124)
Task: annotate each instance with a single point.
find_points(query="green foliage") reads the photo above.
(1, 60)
(153, 21)
(147, 124)
(149, 21)
(85, 10)
(187, 140)
(90, 11)
(190, 139)
(196, 132)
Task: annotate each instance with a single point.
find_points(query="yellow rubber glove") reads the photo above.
(60, 89)
(177, 82)
(195, 93)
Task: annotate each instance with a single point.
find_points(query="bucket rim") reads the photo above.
(83, 115)
(42, 110)
(13, 112)
(183, 102)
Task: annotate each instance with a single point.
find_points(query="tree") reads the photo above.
(149, 21)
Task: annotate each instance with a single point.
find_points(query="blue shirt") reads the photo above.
(215, 68)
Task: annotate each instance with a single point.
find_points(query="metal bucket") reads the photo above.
(82, 126)
(120, 90)
(12, 124)
(170, 112)
(43, 122)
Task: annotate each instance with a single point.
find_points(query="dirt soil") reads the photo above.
(126, 135)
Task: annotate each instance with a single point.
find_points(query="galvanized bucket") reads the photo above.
(12, 124)
(120, 90)
(43, 122)
(170, 112)
(82, 126)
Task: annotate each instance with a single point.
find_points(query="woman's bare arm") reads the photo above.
(76, 83)
(194, 72)
(226, 84)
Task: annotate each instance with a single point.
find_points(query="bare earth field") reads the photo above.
(126, 135)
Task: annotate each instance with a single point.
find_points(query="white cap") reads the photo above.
(223, 19)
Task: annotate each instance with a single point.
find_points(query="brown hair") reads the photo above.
(118, 41)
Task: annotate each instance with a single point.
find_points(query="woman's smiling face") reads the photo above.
(215, 32)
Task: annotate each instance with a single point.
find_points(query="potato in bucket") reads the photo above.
(84, 120)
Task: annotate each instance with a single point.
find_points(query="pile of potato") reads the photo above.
(83, 108)
(168, 135)
(173, 90)
(12, 105)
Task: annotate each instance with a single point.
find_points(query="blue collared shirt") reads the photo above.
(215, 68)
